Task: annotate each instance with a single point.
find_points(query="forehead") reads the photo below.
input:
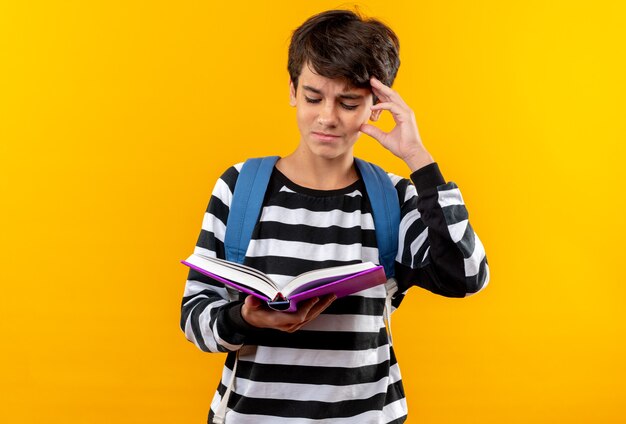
(328, 85)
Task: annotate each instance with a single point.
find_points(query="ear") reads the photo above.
(292, 94)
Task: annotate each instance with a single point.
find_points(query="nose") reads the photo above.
(328, 115)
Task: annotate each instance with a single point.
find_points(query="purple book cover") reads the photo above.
(342, 287)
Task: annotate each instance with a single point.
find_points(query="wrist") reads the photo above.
(244, 314)
(238, 315)
(418, 159)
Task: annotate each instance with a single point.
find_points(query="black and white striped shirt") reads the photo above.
(339, 368)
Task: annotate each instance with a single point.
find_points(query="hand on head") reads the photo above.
(404, 139)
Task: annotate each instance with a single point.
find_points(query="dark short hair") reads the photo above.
(342, 44)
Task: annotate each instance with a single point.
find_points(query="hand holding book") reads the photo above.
(257, 314)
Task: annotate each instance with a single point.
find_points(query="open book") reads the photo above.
(341, 280)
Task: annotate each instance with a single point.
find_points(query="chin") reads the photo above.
(330, 154)
(329, 150)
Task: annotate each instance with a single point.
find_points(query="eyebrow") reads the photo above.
(341, 96)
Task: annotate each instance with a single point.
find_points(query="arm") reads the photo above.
(210, 313)
(438, 249)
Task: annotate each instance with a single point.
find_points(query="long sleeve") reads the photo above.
(210, 313)
(438, 248)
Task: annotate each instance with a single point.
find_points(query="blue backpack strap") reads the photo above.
(386, 210)
(246, 204)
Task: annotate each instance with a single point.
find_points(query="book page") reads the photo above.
(323, 276)
(237, 273)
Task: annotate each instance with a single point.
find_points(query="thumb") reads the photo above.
(252, 302)
(373, 132)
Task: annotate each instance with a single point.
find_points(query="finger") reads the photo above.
(304, 308)
(382, 96)
(391, 107)
(322, 305)
(294, 328)
(374, 132)
(313, 313)
(252, 302)
(381, 90)
(384, 92)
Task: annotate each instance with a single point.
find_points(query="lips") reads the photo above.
(324, 136)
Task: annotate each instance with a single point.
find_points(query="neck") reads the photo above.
(317, 172)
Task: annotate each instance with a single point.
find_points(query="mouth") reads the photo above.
(325, 136)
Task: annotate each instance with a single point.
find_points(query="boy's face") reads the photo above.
(329, 113)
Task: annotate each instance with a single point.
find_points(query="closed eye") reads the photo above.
(349, 107)
(343, 105)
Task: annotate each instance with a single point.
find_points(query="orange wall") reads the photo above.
(117, 117)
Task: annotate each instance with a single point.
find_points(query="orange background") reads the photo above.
(117, 117)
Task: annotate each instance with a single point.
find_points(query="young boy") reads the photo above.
(331, 361)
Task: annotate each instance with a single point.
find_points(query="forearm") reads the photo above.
(210, 319)
(441, 252)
